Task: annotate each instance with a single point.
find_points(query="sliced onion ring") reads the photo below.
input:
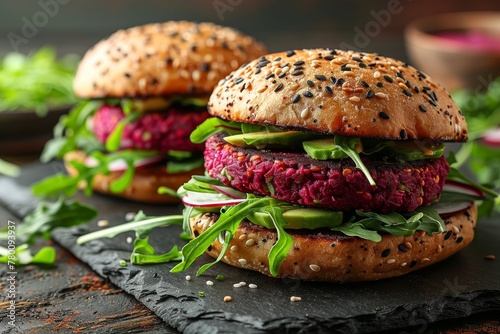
(492, 138)
(462, 188)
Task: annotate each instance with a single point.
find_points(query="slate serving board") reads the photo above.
(463, 285)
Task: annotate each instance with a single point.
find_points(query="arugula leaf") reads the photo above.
(9, 169)
(114, 139)
(68, 185)
(358, 230)
(22, 256)
(284, 242)
(211, 126)
(144, 253)
(47, 216)
(228, 236)
(348, 146)
(71, 132)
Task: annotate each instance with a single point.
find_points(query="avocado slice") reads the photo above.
(323, 149)
(309, 218)
(262, 139)
(417, 150)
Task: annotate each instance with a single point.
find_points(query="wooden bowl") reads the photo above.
(458, 50)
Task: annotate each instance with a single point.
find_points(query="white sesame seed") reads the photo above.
(234, 248)
(129, 240)
(376, 74)
(210, 283)
(402, 85)
(354, 99)
(252, 286)
(102, 223)
(228, 299)
(349, 74)
(391, 261)
(188, 278)
(129, 216)
(237, 285)
(261, 89)
(408, 245)
(196, 75)
(403, 264)
(455, 229)
(424, 260)
(304, 113)
(285, 69)
(295, 299)
(440, 249)
(294, 86)
(381, 95)
(277, 71)
(242, 261)
(250, 242)
(242, 236)
(314, 267)
(243, 283)
(490, 257)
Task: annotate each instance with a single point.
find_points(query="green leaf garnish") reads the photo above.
(113, 141)
(212, 126)
(23, 256)
(349, 146)
(284, 242)
(47, 216)
(9, 169)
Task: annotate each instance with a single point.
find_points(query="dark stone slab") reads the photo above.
(464, 284)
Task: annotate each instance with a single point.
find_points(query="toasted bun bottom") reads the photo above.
(144, 185)
(330, 257)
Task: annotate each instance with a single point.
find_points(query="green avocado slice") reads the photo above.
(263, 139)
(308, 218)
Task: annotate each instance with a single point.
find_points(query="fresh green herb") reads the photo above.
(9, 169)
(201, 294)
(36, 82)
(71, 132)
(68, 185)
(284, 242)
(47, 216)
(23, 256)
(122, 263)
(114, 140)
(219, 277)
(212, 126)
(350, 146)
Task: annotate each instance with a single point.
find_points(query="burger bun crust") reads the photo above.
(339, 92)
(317, 256)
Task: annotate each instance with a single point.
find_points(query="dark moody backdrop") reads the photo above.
(74, 25)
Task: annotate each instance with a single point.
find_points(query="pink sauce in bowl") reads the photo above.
(472, 39)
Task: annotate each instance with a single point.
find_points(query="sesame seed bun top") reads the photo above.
(163, 59)
(339, 92)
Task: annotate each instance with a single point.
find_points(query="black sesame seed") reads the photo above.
(333, 52)
(407, 83)
(307, 94)
(340, 82)
(422, 108)
(416, 89)
(277, 59)
(296, 98)
(298, 63)
(284, 65)
(424, 88)
(295, 73)
(403, 134)
(329, 90)
(370, 94)
(279, 87)
(402, 248)
(315, 120)
(434, 96)
(459, 239)
(328, 58)
(205, 67)
(383, 115)
(345, 68)
(282, 75)
(400, 75)
(237, 81)
(357, 59)
(333, 80)
(169, 61)
(270, 76)
(362, 65)
(154, 81)
(290, 53)
(388, 79)
(257, 71)
(310, 83)
(448, 235)
(433, 103)
(320, 77)
(407, 93)
(386, 252)
(379, 84)
(127, 75)
(364, 84)
(412, 264)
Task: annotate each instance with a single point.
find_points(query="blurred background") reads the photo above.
(75, 25)
(72, 26)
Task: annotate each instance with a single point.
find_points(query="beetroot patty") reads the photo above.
(335, 184)
(163, 131)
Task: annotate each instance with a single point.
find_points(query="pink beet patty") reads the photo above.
(165, 131)
(335, 184)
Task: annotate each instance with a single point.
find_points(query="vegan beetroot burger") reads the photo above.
(146, 89)
(327, 165)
